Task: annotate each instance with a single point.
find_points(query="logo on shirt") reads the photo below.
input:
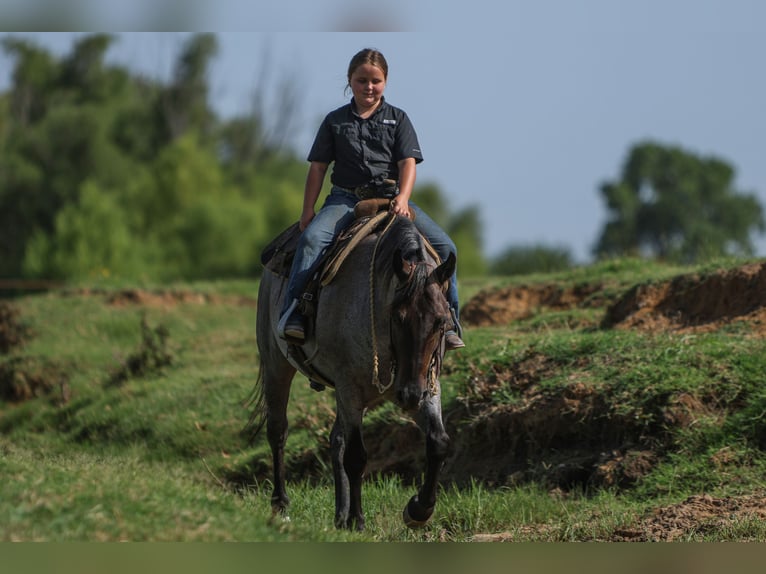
(391, 122)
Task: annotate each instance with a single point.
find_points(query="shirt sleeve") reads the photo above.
(323, 148)
(407, 141)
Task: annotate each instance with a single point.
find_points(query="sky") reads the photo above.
(521, 108)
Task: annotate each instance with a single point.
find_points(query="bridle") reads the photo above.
(434, 366)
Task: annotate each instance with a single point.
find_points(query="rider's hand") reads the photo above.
(399, 206)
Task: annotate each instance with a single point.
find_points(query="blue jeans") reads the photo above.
(336, 214)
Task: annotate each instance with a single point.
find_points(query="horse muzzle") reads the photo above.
(411, 397)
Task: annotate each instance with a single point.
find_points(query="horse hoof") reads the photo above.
(347, 523)
(415, 515)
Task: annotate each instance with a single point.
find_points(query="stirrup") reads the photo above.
(455, 323)
(454, 336)
(288, 331)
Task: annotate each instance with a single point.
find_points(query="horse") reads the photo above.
(378, 336)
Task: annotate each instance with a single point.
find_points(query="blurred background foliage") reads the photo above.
(105, 173)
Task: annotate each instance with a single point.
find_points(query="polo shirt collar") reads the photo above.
(382, 105)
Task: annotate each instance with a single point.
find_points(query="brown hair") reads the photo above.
(368, 56)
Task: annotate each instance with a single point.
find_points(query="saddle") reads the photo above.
(278, 255)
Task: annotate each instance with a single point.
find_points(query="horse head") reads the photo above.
(420, 316)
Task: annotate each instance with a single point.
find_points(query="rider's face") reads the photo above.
(367, 84)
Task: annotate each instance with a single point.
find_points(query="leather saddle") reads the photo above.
(278, 255)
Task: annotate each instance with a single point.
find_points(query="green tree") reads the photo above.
(58, 134)
(196, 223)
(90, 239)
(35, 73)
(674, 204)
(430, 199)
(185, 104)
(465, 229)
(83, 71)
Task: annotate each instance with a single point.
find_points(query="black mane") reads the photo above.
(403, 237)
(403, 241)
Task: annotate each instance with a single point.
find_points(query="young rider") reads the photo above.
(375, 151)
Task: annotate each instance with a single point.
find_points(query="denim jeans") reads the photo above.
(336, 214)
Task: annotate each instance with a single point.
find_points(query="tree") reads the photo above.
(59, 132)
(465, 230)
(430, 199)
(34, 74)
(83, 70)
(674, 204)
(185, 105)
(90, 239)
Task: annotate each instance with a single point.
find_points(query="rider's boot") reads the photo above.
(291, 324)
(453, 338)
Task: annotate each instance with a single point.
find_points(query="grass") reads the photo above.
(158, 453)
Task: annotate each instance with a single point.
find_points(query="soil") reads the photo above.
(694, 515)
(13, 332)
(160, 297)
(694, 303)
(688, 303)
(25, 378)
(674, 523)
(503, 306)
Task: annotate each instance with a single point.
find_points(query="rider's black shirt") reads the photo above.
(365, 151)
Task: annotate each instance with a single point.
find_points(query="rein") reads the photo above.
(375, 360)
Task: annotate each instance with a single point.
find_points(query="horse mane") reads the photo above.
(404, 241)
(403, 237)
(414, 286)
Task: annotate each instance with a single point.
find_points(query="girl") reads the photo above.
(375, 150)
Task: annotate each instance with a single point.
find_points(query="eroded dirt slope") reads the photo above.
(686, 303)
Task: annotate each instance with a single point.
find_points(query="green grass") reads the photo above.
(160, 456)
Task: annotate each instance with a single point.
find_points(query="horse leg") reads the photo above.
(355, 461)
(421, 506)
(337, 449)
(354, 458)
(276, 393)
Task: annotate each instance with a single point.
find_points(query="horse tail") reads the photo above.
(256, 402)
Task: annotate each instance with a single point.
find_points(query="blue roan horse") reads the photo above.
(378, 335)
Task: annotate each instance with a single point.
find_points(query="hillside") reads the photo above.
(634, 379)
(599, 385)
(578, 422)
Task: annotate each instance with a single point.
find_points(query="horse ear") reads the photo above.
(444, 271)
(401, 265)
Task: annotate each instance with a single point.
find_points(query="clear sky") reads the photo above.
(523, 110)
